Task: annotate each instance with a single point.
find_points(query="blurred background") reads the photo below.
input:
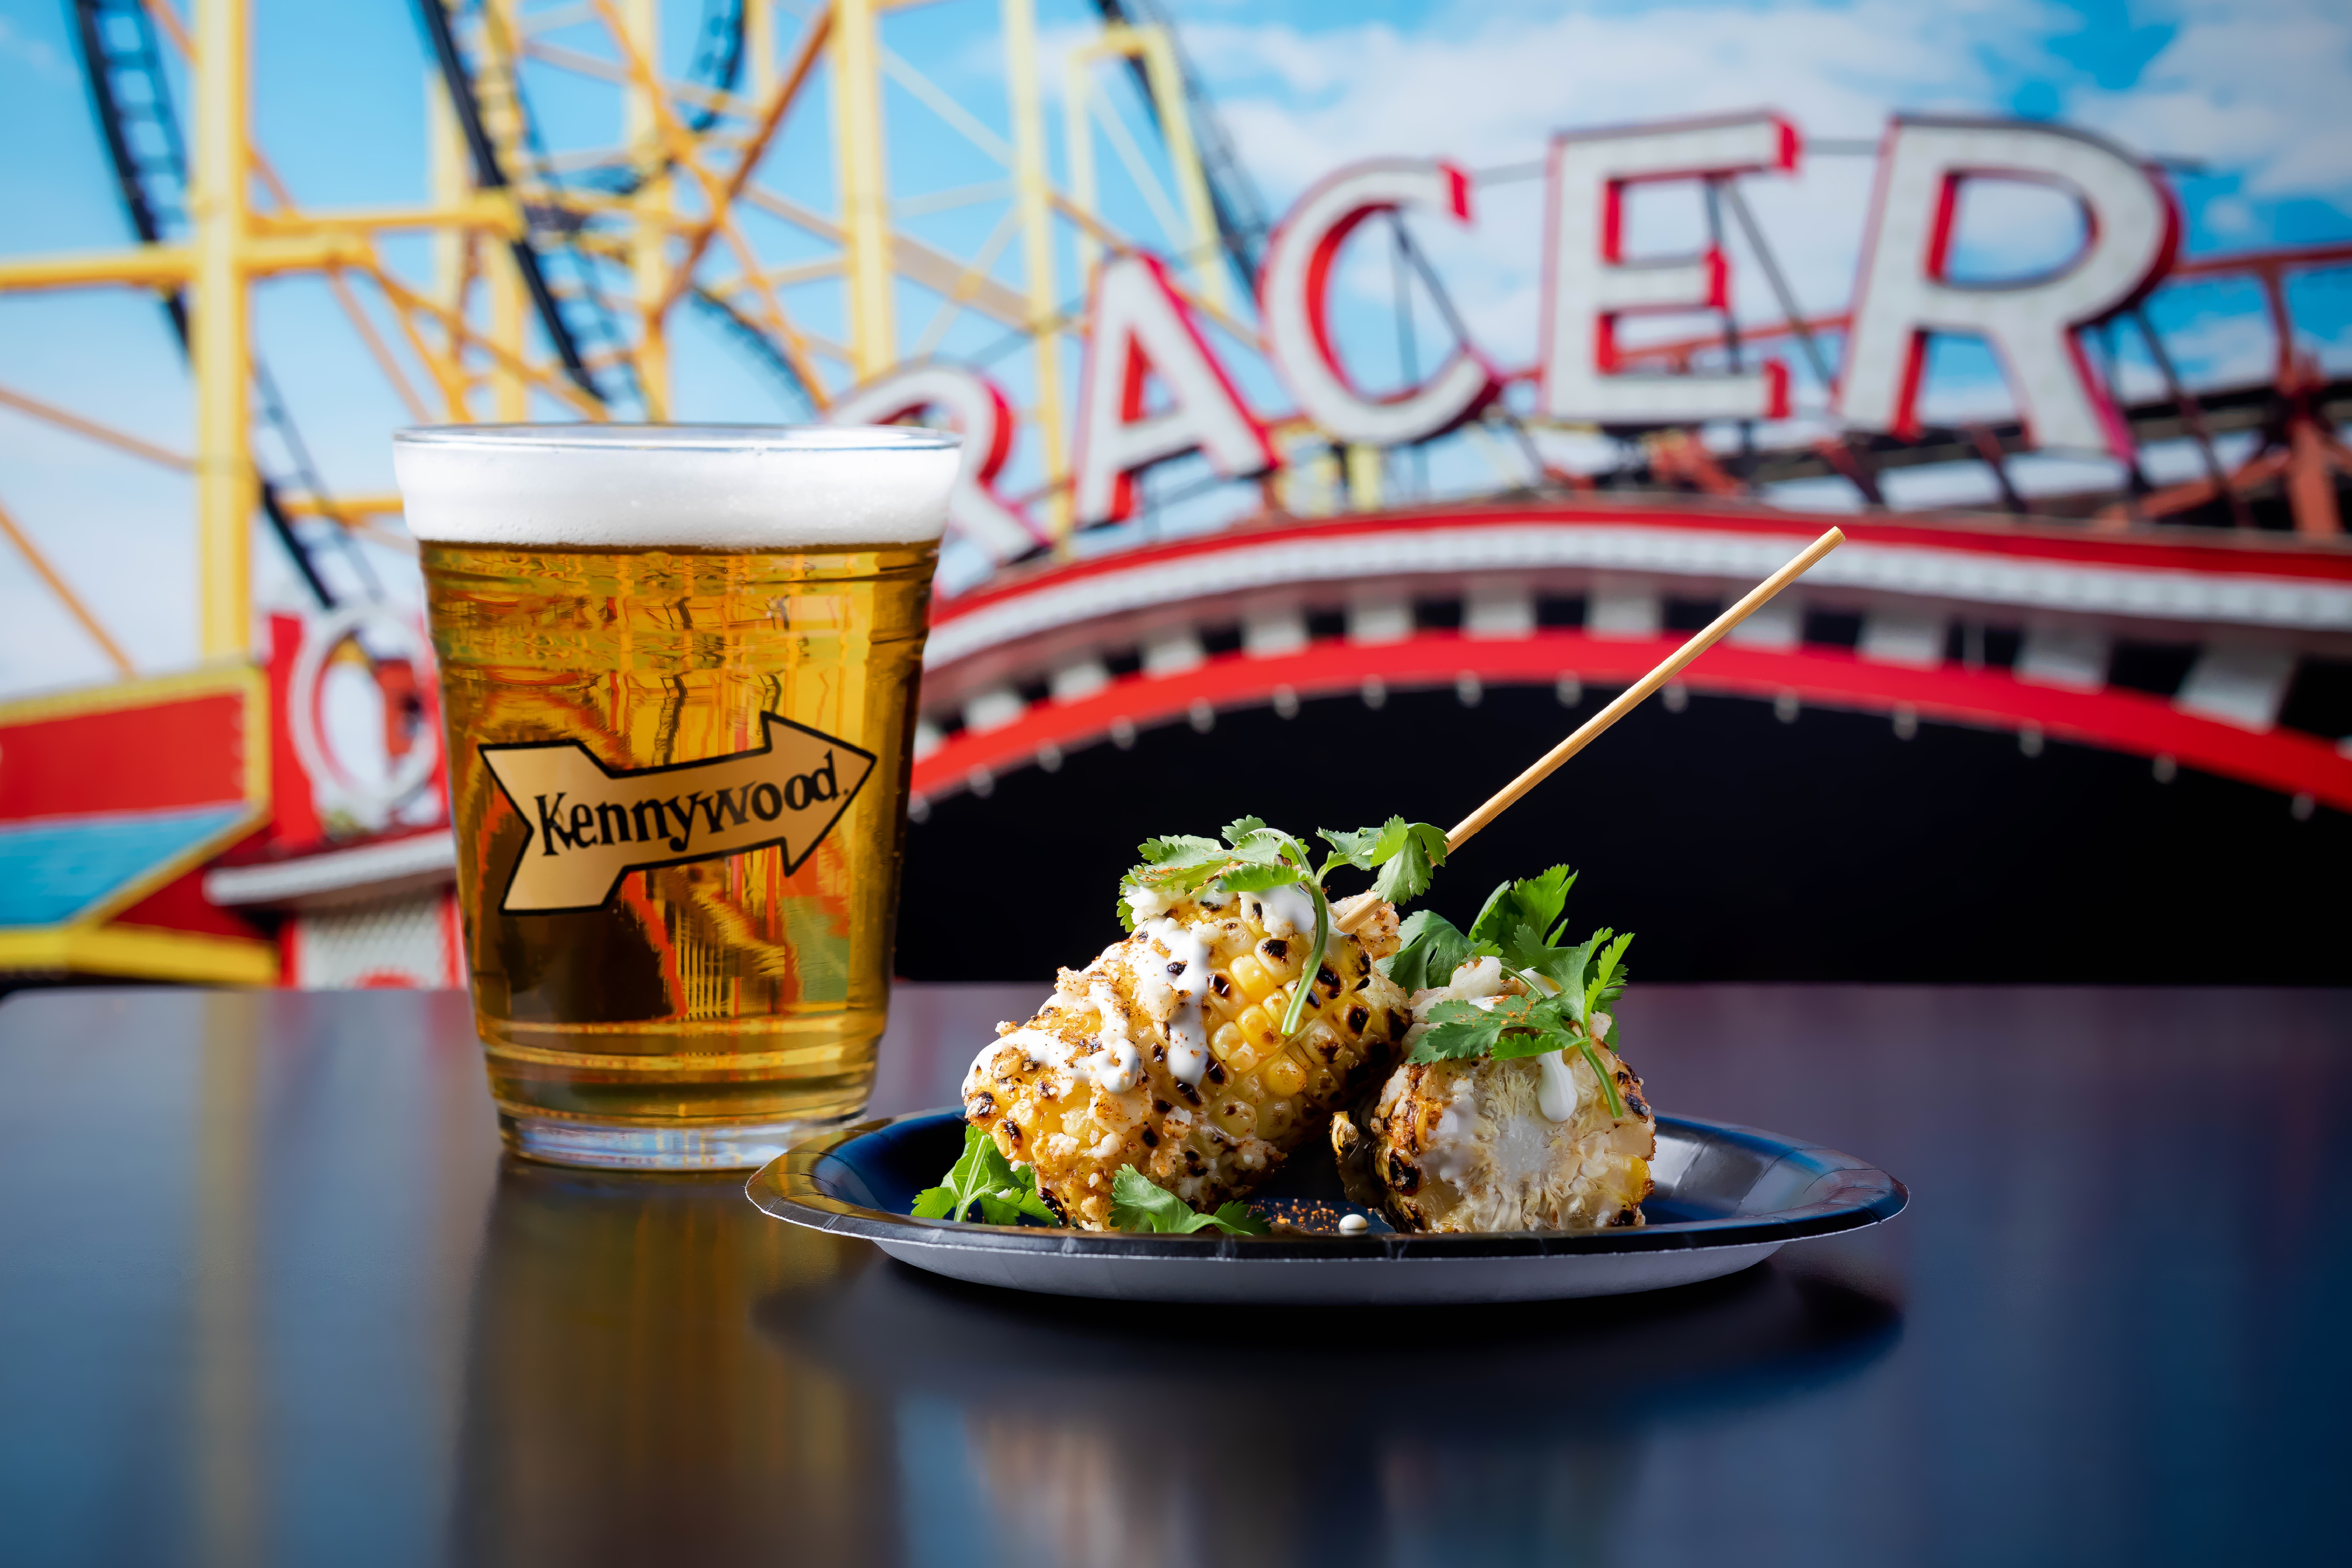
(1355, 397)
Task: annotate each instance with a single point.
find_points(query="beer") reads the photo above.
(678, 668)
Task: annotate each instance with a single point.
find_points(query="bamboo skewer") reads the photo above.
(1630, 698)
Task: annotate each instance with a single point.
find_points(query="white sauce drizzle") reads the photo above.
(1117, 1067)
(1188, 1036)
(1035, 1045)
(1286, 910)
(1452, 1143)
(1557, 1091)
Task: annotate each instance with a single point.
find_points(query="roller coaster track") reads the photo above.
(131, 98)
(753, 339)
(558, 266)
(552, 233)
(1242, 223)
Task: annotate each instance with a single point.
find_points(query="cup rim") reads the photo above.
(746, 438)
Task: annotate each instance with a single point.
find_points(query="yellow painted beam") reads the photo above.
(139, 952)
(1033, 204)
(651, 203)
(1153, 46)
(122, 440)
(935, 270)
(1364, 478)
(776, 100)
(509, 297)
(448, 180)
(64, 593)
(219, 346)
(760, 44)
(489, 212)
(1167, 77)
(176, 265)
(342, 506)
(1103, 234)
(864, 178)
(141, 266)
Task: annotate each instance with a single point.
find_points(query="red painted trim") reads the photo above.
(2279, 259)
(2234, 556)
(2113, 718)
(173, 752)
(453, 943)
(295, 812)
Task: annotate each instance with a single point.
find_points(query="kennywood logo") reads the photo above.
(588, 826)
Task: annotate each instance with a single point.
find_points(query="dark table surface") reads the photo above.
(269, 1294)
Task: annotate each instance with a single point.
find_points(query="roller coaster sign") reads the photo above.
(1141, 330)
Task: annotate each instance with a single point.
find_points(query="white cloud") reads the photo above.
(2253, 90)
(34, 53)
(1488, 85)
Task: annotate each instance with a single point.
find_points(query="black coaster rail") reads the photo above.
(130, 97)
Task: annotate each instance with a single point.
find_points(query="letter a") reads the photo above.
(1138, 330)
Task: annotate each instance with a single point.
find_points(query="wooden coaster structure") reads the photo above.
(559, 271)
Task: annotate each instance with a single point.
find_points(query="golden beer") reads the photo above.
(679, 694)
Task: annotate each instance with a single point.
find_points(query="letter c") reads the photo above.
(1292, 291)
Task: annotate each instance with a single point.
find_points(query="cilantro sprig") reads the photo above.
(1253, 857)
(1004, 1191)
(1139, 1203)
(1567, 987)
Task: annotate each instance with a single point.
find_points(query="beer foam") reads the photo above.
(709, 487)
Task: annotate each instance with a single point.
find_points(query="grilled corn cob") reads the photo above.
(1166, 1054)
(1527, 1144)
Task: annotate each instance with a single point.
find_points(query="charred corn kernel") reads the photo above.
(1283, 1076)
(1250, 977)
(1057, 1094)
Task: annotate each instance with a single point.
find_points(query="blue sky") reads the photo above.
(2255, 99)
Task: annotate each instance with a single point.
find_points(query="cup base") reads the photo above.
(729, 1146)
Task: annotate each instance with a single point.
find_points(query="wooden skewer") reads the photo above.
(1630, 698)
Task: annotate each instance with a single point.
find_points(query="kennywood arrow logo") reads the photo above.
(588, 825)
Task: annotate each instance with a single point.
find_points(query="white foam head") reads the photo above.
(709, 487)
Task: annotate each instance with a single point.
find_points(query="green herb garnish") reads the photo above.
(1255, 858)
(1004, 1191)
(1566, 987)
(1404, 853)
(1139, 1203)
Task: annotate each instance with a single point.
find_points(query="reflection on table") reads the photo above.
(268, 1293)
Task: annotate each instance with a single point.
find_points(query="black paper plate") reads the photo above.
(1727, 1197)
